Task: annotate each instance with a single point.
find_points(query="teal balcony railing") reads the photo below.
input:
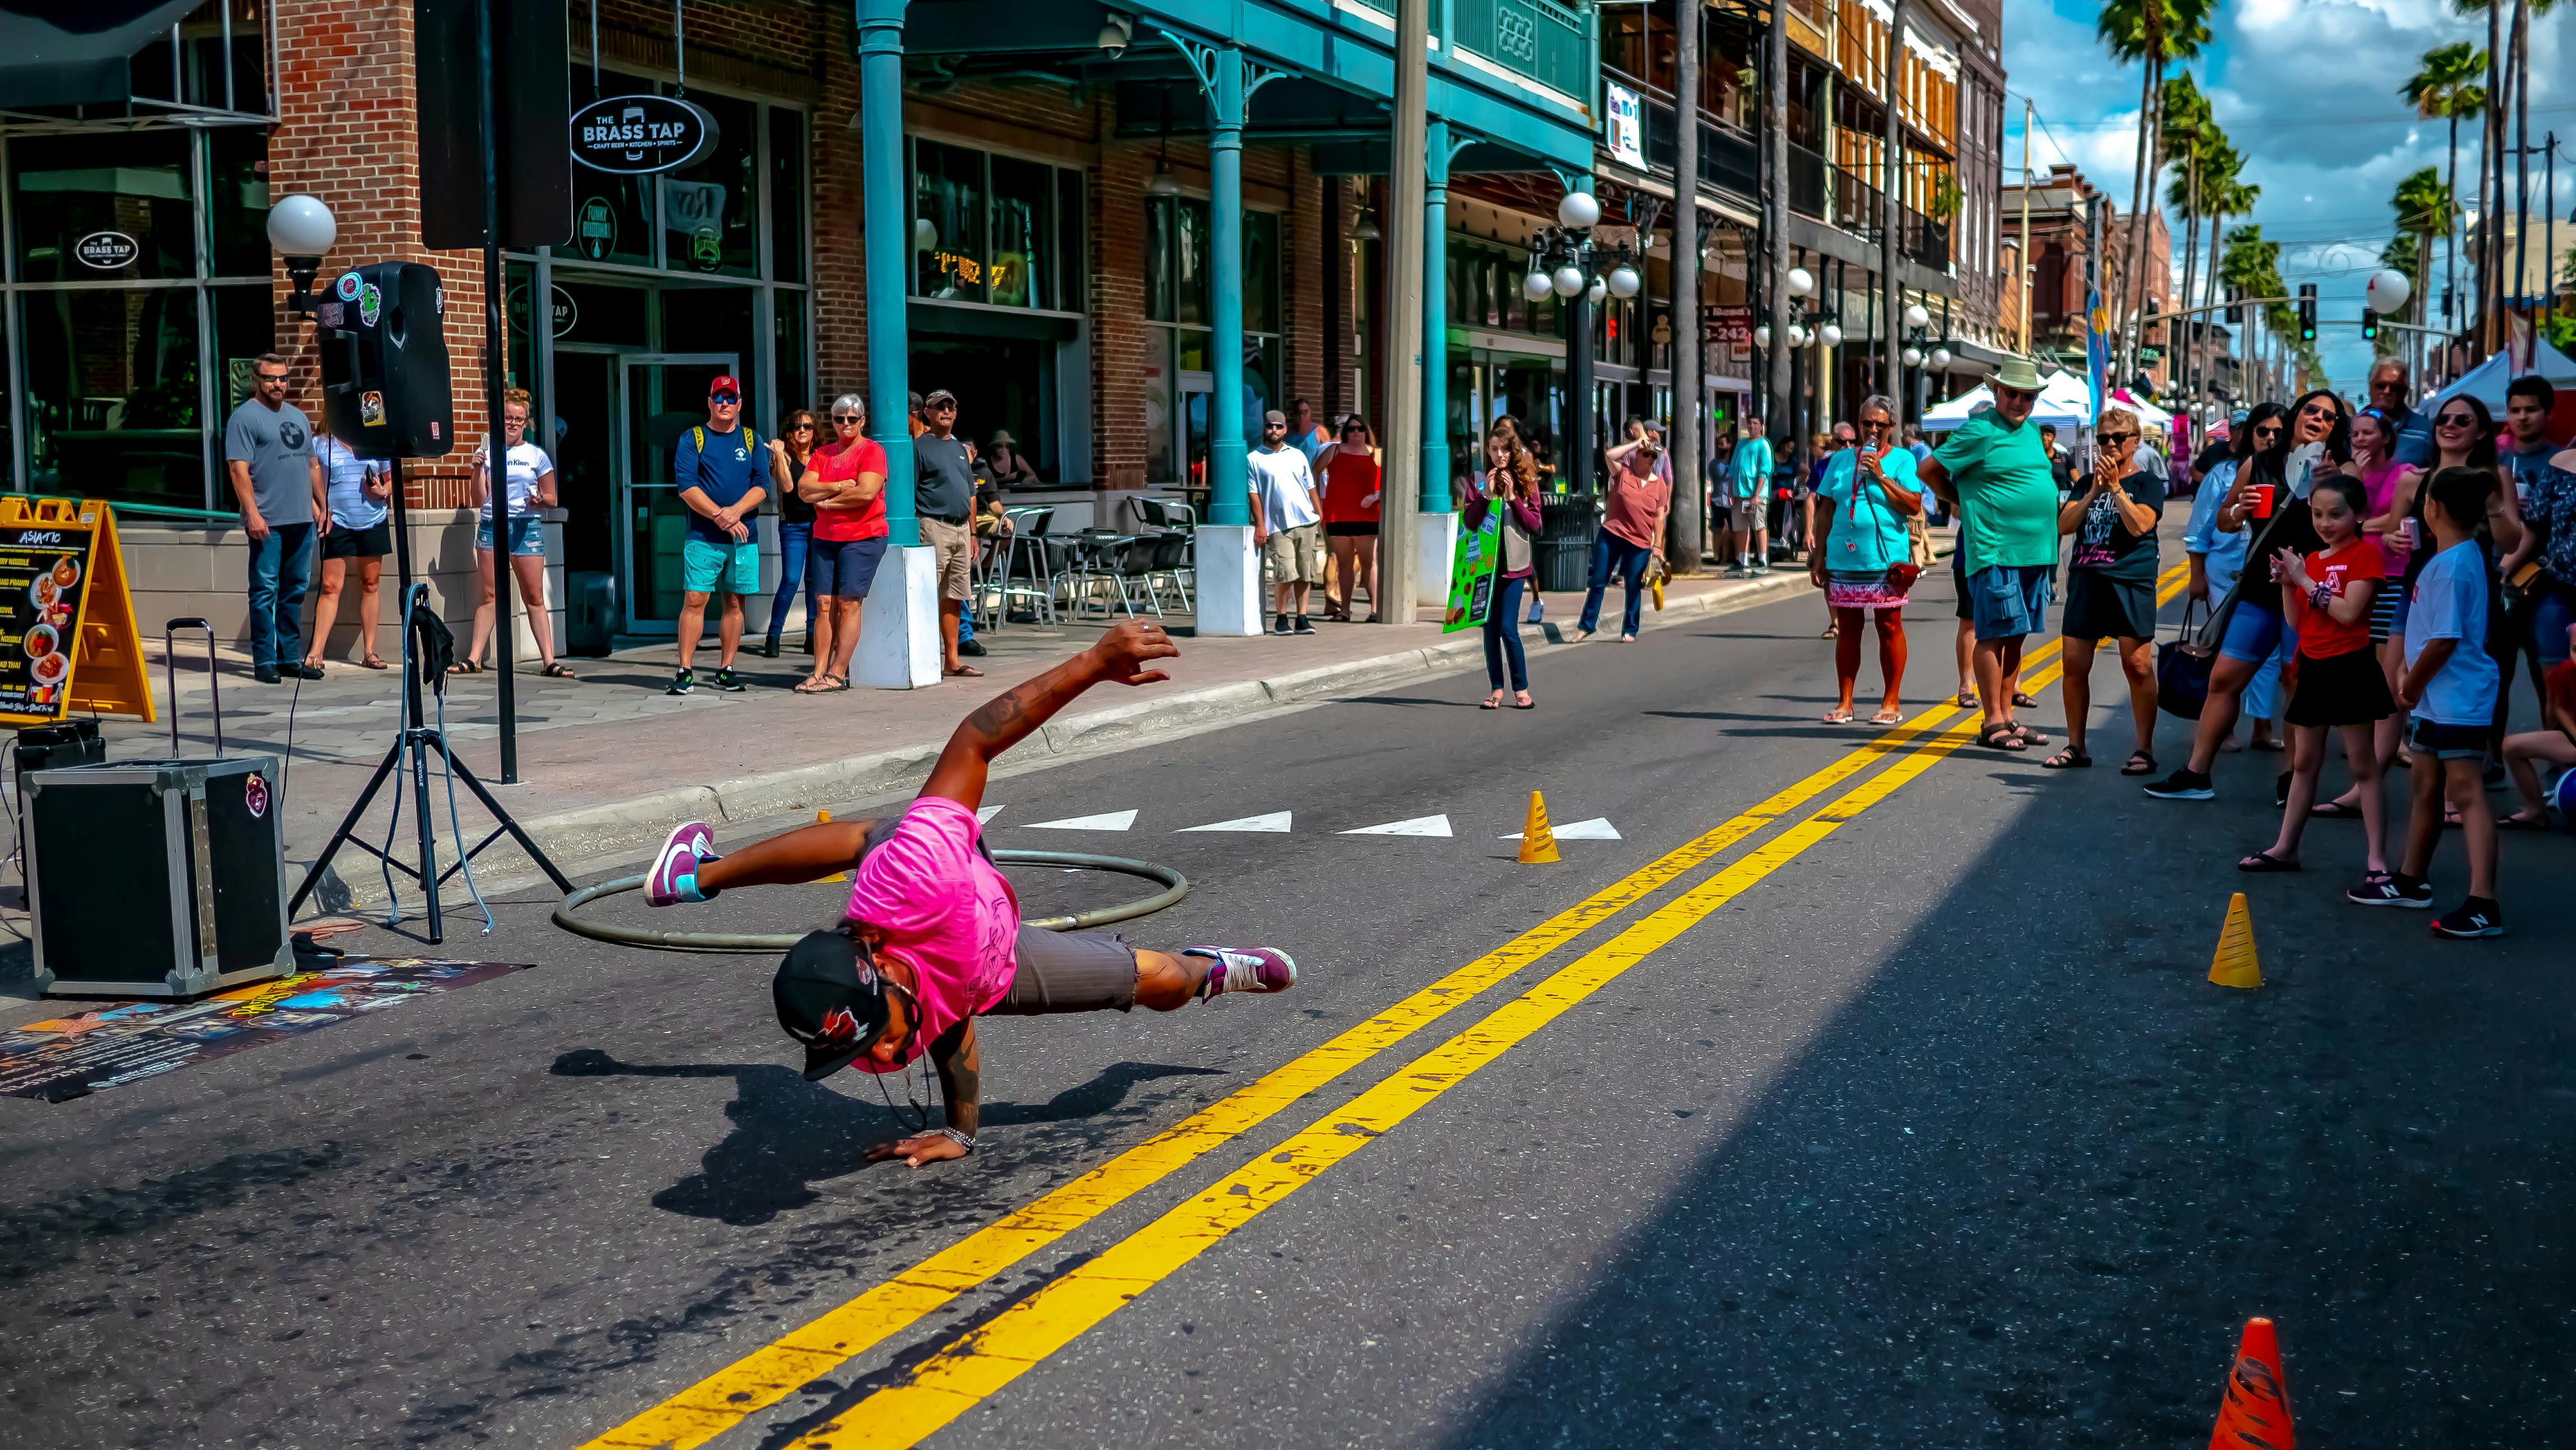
(1535, 38)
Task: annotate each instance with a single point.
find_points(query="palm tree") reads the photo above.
(2154, 33)
(2420, 201)
(2445, 87)
(2185, 134)
(2511, 87)
(2223, 193)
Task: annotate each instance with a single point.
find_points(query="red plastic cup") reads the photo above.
(2262, 500)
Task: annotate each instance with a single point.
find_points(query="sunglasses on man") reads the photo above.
(727, 399)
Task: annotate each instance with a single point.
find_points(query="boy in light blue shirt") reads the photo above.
(1748, 481)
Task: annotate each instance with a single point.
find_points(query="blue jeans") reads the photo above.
(280, 566)
(1503, 634)
(792, 539)
(2552, 610)
(2008, 601)
(1613, 556)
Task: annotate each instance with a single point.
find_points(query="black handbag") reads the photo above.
(2182, 672)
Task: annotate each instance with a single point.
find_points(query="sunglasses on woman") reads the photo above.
(852, 419)
(802, 428)
(2318, 410)
(2455, 420)
(2114, 440)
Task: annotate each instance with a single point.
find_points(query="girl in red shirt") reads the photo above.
(1351, 482)
(2340, 684)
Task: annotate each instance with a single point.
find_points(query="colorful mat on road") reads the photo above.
(70, 1057)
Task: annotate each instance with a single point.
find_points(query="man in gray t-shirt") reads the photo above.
(278, 484)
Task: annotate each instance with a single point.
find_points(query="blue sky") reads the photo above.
(2307, 90)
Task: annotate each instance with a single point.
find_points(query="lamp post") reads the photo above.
(1565, 260)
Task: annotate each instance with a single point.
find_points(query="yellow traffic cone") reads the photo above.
(2234, 965)
(1538, 839)
(824, 818)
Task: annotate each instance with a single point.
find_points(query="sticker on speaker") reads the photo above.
(433, 428)
(255, 795)
(349, 286)
(370, 303)
(371, 410)
(331, 314)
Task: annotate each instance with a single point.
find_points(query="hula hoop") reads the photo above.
(1175, 886)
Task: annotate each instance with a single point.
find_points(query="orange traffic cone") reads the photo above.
(2255, 1413)
(1538, 838)
(824, 818)
(2234, 963)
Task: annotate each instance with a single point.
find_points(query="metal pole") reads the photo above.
(1227, 470)
(496, 349)
(1577, 474)
(2027, 266)
(2549, 228)
(1433, 487)
(1683, 539)
(1775, 126)
(1399, 573)
(889, 258)
(1891, 88)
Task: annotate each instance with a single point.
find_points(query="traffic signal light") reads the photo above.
(2369, 323)
(2307, 312)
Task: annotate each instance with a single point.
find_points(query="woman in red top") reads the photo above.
(845, 482)
(1352, 474)
(2328, 594)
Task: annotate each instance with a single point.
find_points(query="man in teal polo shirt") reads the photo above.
(1749, 484)
(1995, 472)
(720, 470)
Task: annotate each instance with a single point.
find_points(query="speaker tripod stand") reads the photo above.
(429, 647)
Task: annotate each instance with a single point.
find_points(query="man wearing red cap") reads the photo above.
(931, 936)
(720, 470)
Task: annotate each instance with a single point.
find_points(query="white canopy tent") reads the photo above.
(2487, 381)
(2064, 402)
(2149, 415)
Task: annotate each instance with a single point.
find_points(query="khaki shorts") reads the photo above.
(953, 547)
(1296, 555)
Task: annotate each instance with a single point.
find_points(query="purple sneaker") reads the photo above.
(1246, 969)
(677, 864)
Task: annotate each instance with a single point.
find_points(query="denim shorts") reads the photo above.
(2449, 742)
(527, 534)
(843, 568)
(2010, 600)
(2252, 634)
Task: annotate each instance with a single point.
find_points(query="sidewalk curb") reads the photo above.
(631, 828)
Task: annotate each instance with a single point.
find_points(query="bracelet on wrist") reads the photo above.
(962, 1140)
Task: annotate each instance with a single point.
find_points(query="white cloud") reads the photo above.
(2307, 89)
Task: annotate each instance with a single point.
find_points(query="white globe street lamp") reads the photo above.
(1578, 211)
(1915, 316)
(1940, 357)
(302, 229)
(1762, 336)
(1830, 335)
(1569, 278)
(1801, 282)
(1598, 291)
(1536, 285)
(1624, 281)
(1913, 357)
(1797, 335)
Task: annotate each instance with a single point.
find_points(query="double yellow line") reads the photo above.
(991, 1357)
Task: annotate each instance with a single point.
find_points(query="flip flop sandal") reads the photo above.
(374, 662)
(1525, 704)
(2068, 759)
(2140, 762)
(1495, 703)
(556, 671)
(2333, 811)
(2001, 737)
(2520, 822)
(1965, 699)
(964, 672)
(2025, 702)
(465, 667)
(813, 686)
(1888, 717)
(1838, 717)
(2028, 735)
(834, 684)
(2264, 863)
(2274, 746)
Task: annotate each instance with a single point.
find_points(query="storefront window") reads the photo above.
(1261, 271)
(786, 195)
(1071, 222)
(1190, 259)
(114, 408)
(709, 220)
(1023, 233)
(612, 216)
(1177, 287)
(1162, 288)
(245, 327)
(128, 196)
(237, 202)
(787, 340)
(948, 226)
(522, 365)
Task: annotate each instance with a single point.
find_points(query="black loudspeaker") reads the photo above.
(385, 384)
(531, 104)
(157, 879)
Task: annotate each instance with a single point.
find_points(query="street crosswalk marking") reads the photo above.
(1418, 826)
(1275, 823)
(986, 813)
(1596, 829)
(1106, 821)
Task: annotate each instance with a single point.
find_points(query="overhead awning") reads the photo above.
(74, 52)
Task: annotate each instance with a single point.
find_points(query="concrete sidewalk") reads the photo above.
(607, 762)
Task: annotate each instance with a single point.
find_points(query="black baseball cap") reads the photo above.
(829, 997)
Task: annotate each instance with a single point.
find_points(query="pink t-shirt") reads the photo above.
(945, 910)
(2381, 490)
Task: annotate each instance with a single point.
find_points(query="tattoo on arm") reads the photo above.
(957, 1057)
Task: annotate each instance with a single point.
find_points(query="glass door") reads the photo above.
(660, 397)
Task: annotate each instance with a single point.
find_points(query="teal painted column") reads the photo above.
(1226, 467)
(887, 217)
(1435, 317)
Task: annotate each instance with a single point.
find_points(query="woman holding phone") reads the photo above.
(1863, 555)
(1510, 484)
(2111, 588)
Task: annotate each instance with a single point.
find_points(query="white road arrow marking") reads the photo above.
(1418, 826)
(1275, 823)
(986, 813)
(1109, 821)
(1596, 829)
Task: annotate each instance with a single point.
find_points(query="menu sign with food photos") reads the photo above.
(67, 634)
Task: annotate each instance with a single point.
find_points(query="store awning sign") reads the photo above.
(640, 135)
(107, 251)
(1627, 126)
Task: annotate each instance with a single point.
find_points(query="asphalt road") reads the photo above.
(1913, 1122)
